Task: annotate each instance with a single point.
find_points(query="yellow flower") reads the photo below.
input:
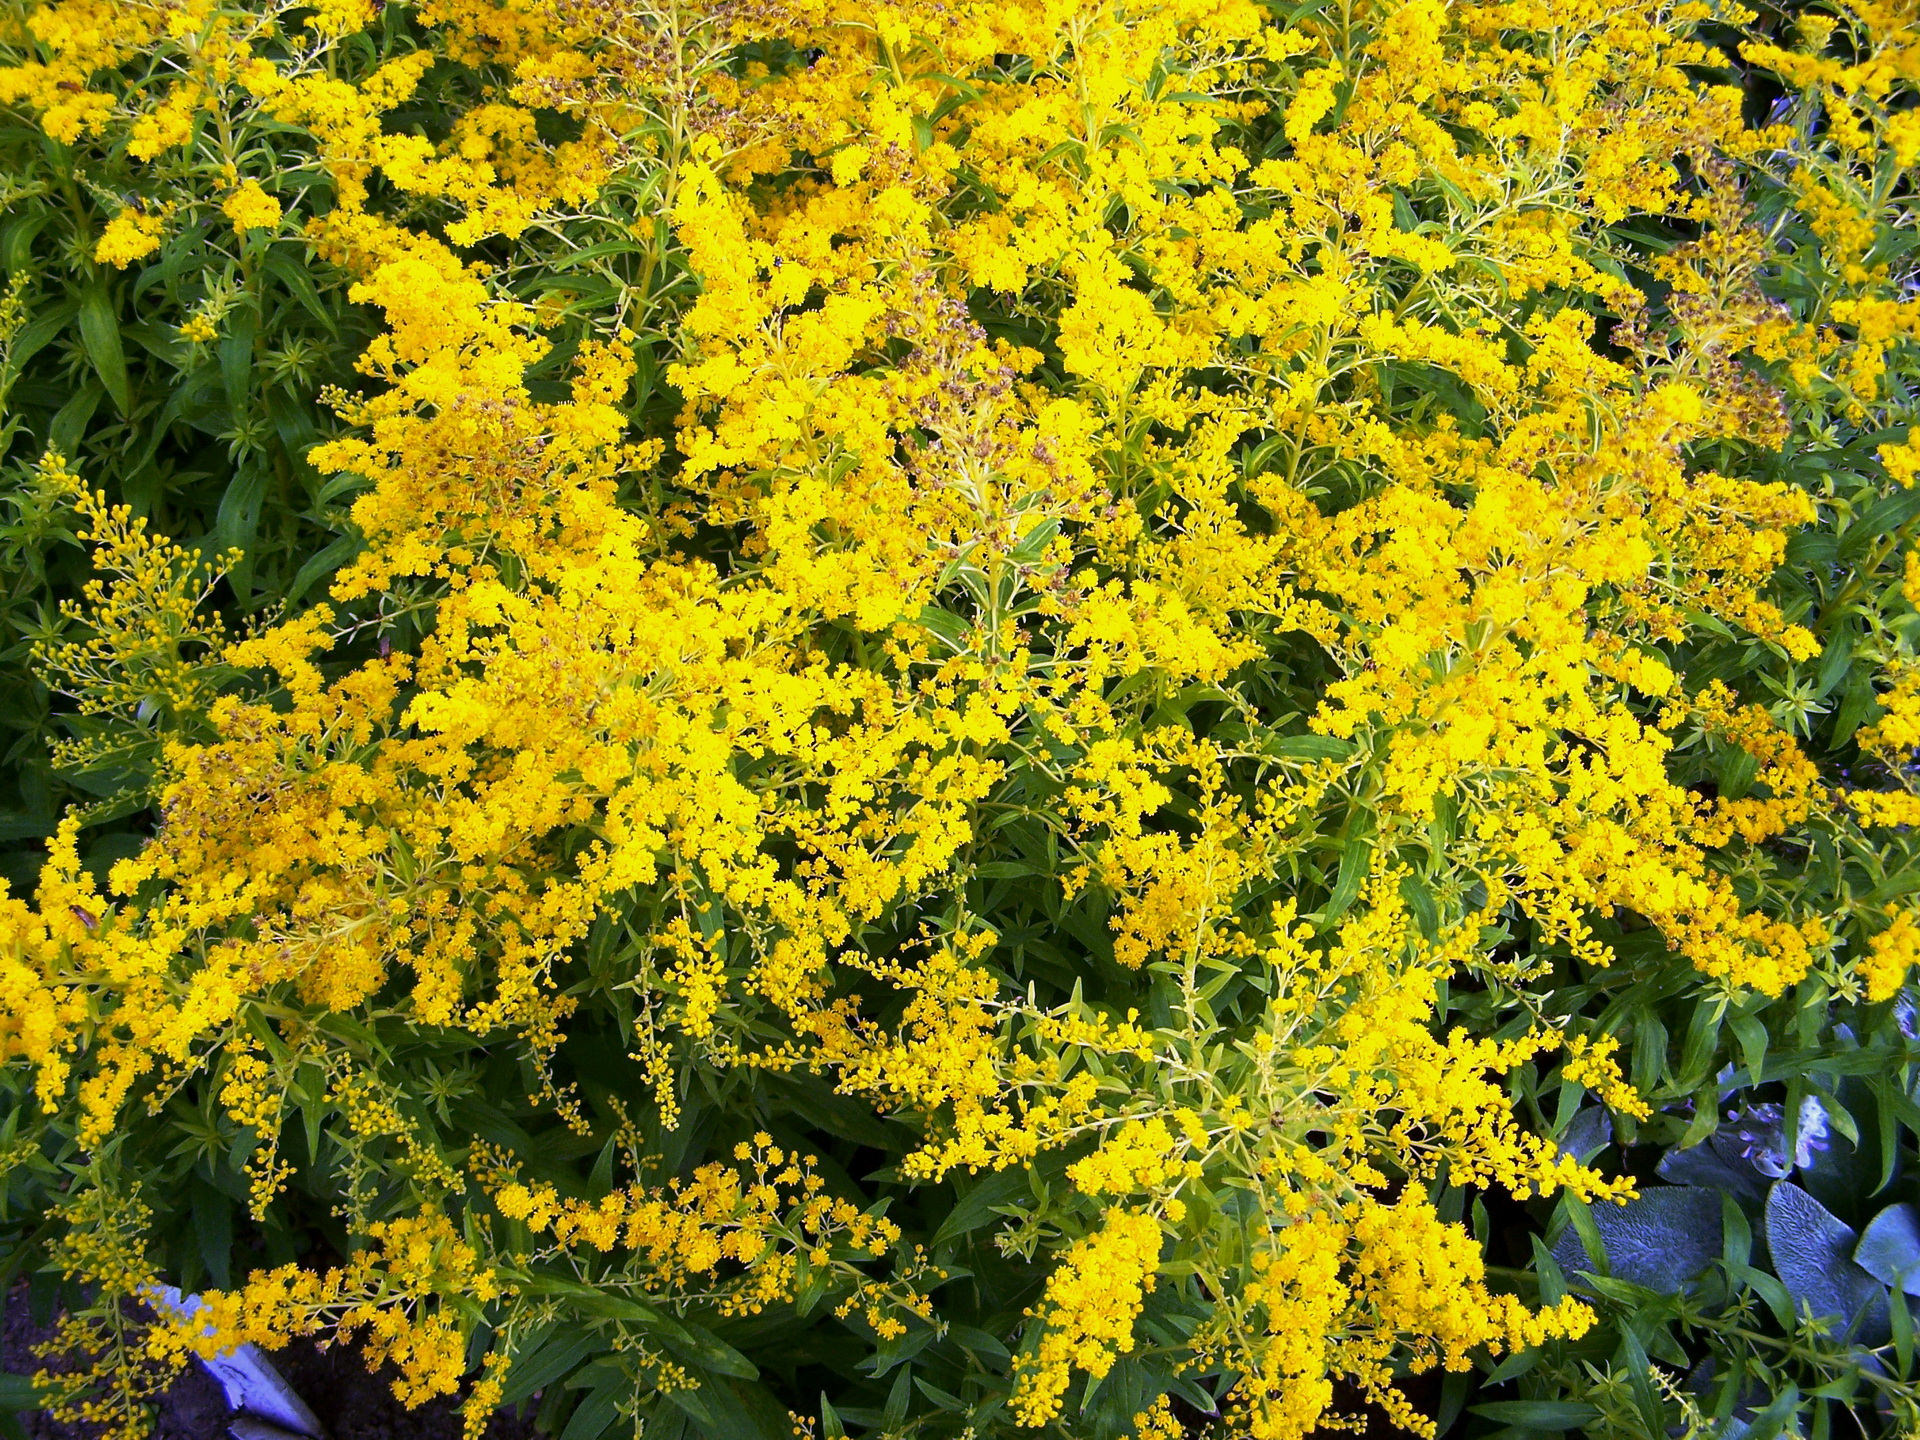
(129, 236)
(251, 208)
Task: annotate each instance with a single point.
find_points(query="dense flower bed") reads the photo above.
(969, 717)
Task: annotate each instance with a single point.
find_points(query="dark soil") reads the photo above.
(354, 1404)
(351, 1402)
(194, 1409)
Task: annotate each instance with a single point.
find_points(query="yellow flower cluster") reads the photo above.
(251, 208)
(401, 1296)
(688, 1229)
(1088, 1314)
(1142, 474)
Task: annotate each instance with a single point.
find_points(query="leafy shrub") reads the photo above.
(1020, 711)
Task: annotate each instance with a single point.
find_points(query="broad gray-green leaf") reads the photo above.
(1889, 1248)
(1660, 1240)
(1812, 1252)
(1588, 1133)
(1715, 1164)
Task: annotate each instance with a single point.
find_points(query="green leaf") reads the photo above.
(688, 1341)
(1538, 1414)
(238, 520)
(1772, 1420)
(236, 360)
(100, 338)
(596, 1413)
(977, 1206)
(1633, 1357)
(554, 1355)
(1857, 702)
(945, 625)
(898, 1399)
(41, 331)
(733, 1410)
(1422, 905)
(1734, 771)
(1308, 747)
(1752, 1034)
(213, 1232)
(69, 424)
(318, 567)
(1356, 862)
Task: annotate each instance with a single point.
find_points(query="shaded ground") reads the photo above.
(194, 1409)
(352, 1403)
(356, 1405)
